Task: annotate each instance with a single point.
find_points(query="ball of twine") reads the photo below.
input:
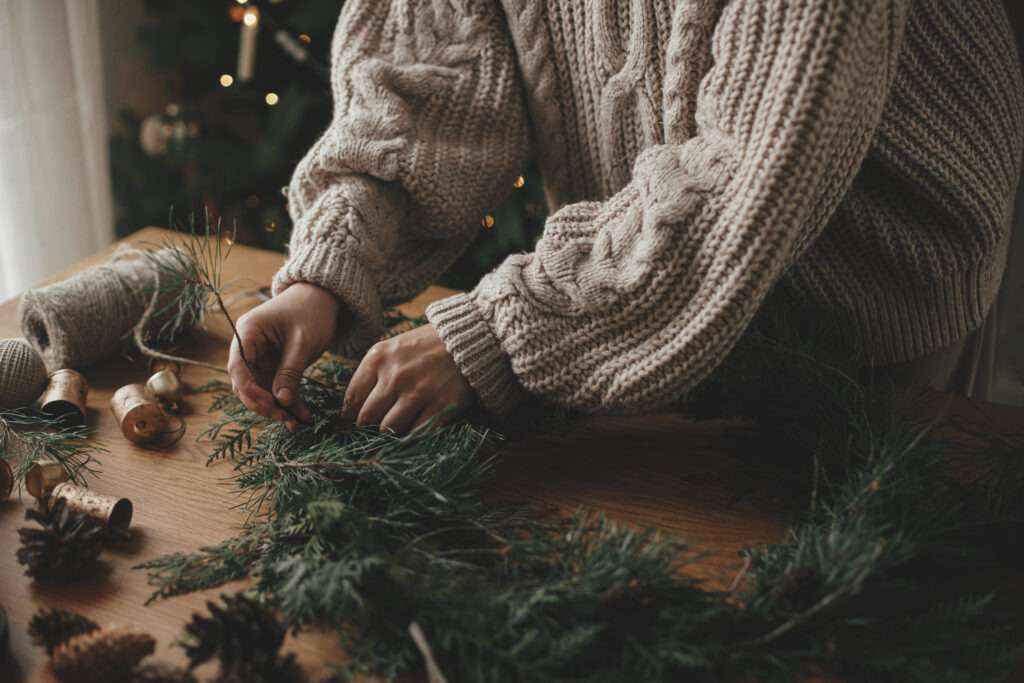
(22, 374)
(90, 316)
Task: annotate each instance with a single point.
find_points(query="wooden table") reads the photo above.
(633, 468)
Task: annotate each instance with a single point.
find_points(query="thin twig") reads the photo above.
(290, 464)
(741, 574)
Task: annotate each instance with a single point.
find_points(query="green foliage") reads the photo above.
(28, 435)
(881, 576)
(188, 277)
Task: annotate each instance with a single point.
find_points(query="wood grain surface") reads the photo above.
(636, 469)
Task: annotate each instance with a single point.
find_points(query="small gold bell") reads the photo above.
(166, 386)
(44, 476)
(6, 480)
(140, 418)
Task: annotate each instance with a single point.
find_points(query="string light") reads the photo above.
(304, 38)
(270, 226)
(252, 16)
(487, 222)
(519, 182)
(226, 80)
(271, 98)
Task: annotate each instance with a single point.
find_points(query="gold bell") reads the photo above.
(116, 512)
(166, 386)
(141, 420)
(65, 397)
(44, 476)
(6, 480)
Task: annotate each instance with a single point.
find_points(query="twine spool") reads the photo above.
(22, 374)
(115, 512)
(84, 319)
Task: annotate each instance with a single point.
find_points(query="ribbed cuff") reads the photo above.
(477, 352)
(321, 264)
(910, 322)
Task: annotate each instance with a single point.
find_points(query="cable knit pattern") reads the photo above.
(855, 158)
(429, 127)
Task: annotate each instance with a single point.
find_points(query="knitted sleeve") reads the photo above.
(628, 302)
(429, 131)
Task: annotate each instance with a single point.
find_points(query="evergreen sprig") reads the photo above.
(27, 436)
(189, 278)
(881, 576)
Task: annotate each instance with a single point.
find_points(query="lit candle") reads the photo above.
(247, 44)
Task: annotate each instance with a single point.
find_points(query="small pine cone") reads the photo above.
(54, 627)
(246, 637)
(65, 544)
(101, 656)
(160, 673)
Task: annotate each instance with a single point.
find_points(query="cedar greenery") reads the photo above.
(879, 577)
(388, 540)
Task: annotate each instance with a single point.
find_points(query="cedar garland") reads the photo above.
(388, 541)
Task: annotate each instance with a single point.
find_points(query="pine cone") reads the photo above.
(54, 627)
(63, 546)
(107, 656)
(246, 637)
(159, 673)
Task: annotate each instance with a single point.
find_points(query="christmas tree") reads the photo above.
(250, 93)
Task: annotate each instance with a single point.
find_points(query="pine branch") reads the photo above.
(27, 436)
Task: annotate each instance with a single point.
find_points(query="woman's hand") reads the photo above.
(281, 337)
(406, 380)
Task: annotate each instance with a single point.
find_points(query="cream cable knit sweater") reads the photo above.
(857, 157)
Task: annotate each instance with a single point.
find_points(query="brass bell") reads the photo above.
(140, 418)
(6, 480)
(44, 476)
(166, 386)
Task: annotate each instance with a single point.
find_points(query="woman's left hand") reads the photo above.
(404, 381)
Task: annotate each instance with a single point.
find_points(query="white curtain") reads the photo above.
(55, 202)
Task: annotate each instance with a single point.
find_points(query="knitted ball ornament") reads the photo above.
(22, 374)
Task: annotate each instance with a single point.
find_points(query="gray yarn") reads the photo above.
(22, 374)
(89, 317)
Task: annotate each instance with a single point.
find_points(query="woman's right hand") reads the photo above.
(281, 338)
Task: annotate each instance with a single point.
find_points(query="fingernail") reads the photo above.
(284, 395)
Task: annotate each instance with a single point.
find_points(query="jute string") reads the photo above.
(80, 321)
